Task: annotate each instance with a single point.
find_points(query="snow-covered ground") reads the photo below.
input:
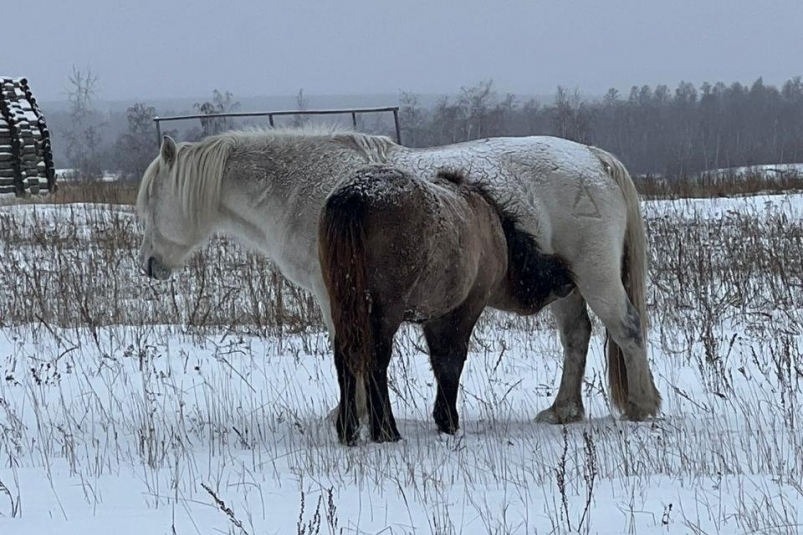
(141, 418)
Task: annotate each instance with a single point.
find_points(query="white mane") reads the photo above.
(195, 176)
(197, 172)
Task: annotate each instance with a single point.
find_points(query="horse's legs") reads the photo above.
(575, 332)
(447, 338)
(362, 411)
(348, 425)
(605, 294)
(326, 312)
(360, 401)
(380, 414)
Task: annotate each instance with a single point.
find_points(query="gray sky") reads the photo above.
(180, 48)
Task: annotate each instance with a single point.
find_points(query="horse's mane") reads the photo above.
(195, 176)
(504, 208)
(373, 148)
(457, 177)
(197, 172)
(523, 250)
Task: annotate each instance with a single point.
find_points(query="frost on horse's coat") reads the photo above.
(267, 187)
(397, 247)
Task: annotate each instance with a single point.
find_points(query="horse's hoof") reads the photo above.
(452, 438)
(643, 407)
(350, 440)
(634, 413)
(446, 424)
(348, 433)
(448, 429)
(387, 435)
(562, 414)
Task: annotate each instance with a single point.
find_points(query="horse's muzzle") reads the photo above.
(155, 270)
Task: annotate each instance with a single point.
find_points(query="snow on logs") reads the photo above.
(26, 155)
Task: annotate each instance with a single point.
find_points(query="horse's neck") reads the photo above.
(270, 201)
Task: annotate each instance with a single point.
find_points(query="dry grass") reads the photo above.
(122, 192)
(717, 185)
(82, 273)
(725, 298)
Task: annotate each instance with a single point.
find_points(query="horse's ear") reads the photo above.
(169, 149)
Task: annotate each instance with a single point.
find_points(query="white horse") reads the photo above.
(267, 188)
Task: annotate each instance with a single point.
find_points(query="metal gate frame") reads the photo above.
(271, 114)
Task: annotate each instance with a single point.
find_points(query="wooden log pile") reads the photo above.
(26, 154)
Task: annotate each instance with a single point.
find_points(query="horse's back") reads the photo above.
(559, 188)
(427, 243)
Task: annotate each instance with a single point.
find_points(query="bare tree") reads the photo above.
(220, 103)
(413, 121)
(83, 134)
(476, 103)
(137, 147)
(302, 104)
(572, 116)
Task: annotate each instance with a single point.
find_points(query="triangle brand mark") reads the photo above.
(584, 204)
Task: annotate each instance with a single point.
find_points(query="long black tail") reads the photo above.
(341, 252)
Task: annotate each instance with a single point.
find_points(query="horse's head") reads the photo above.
(169, 235)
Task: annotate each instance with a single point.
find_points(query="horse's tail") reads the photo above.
(634, 273)
(341, 252)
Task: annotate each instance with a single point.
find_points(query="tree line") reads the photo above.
(654, 130)
(675, 132)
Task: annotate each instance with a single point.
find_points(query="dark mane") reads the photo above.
(503, 208)
(455, 176)
(532, 275)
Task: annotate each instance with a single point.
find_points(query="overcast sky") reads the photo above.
(152, 49)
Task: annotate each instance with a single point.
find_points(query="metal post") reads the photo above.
(270, 120)
(158, 131)
(354, 120)
(398, 130)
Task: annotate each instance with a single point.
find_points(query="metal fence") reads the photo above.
(271, 114)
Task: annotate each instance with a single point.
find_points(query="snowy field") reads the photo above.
(197, 406)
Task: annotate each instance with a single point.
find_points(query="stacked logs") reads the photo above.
(26, 154)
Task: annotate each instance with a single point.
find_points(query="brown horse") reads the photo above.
(394, 247)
